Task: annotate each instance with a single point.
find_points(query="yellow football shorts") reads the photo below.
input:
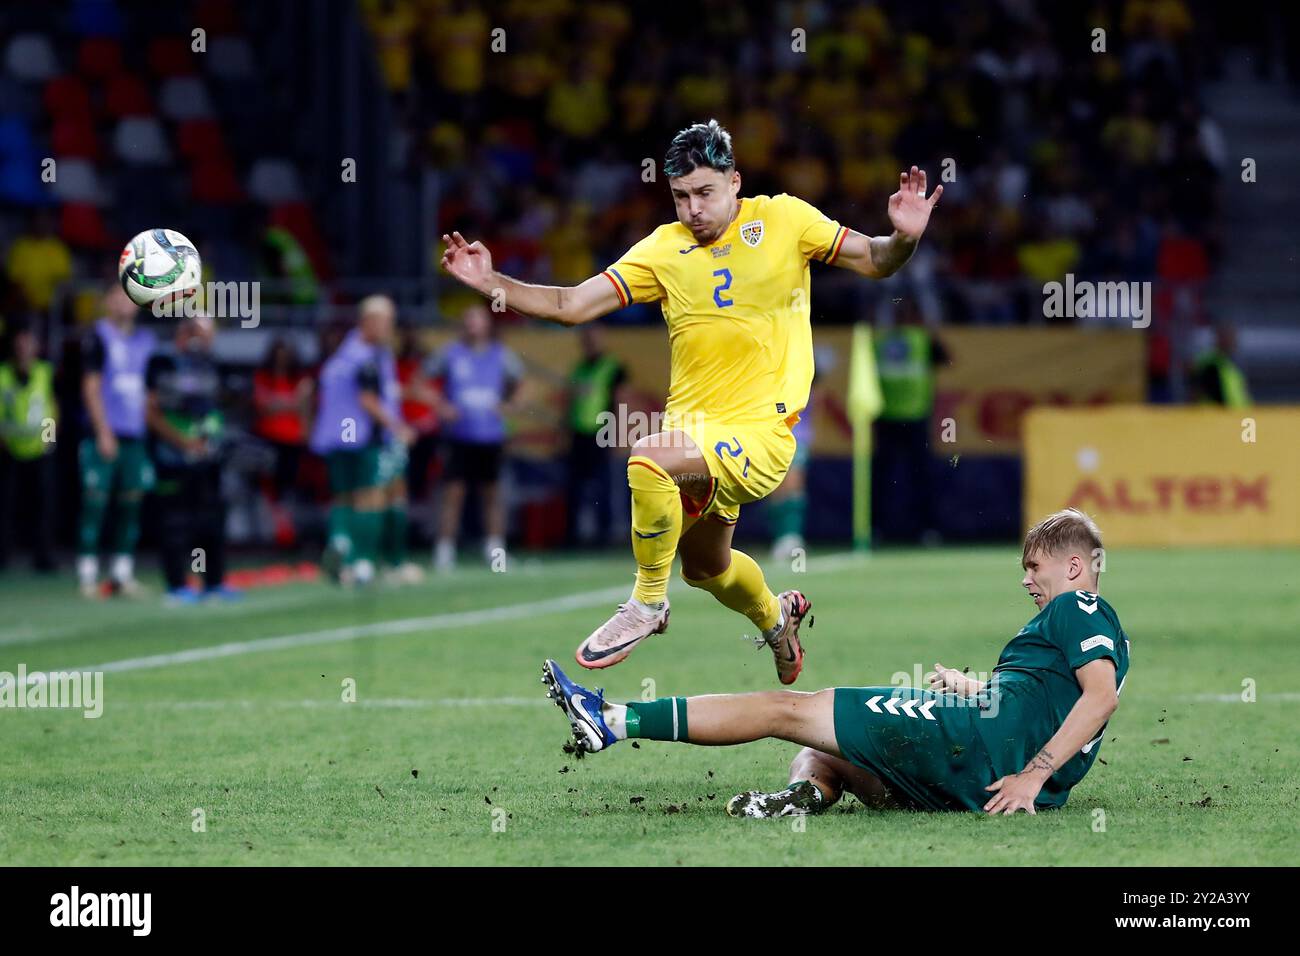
(745, 462)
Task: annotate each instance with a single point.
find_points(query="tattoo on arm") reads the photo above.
(1043, 761)
(889, 253)
(559, 300)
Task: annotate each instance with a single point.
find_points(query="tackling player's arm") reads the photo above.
(909, 212)
(471, 264)
(1088, 715)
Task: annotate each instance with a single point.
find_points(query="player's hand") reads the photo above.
(949, 679)
(909, 210)
(106, 445)
(406, 434)
(469, 262)
(1014, 792)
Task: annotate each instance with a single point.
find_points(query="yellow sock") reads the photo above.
(656, 527)
(743, 589)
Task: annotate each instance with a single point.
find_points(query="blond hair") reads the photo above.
(1068, 530)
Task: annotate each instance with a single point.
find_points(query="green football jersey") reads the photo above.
(1073, 629)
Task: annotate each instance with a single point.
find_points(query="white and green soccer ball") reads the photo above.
(159, 264)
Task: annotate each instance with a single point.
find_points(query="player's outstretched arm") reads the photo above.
(909, 212)
(1088, 715)
(471, 264)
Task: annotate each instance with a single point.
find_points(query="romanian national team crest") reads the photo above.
(752, 232)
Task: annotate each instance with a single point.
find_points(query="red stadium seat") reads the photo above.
(171, 56)
(127, 96)
(99, 58)
(217, 16)
(297, 218)
(213, 181)
(198, 138)
(81, 226)
(66, 96)
(74, 136)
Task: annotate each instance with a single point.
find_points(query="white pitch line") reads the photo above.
(337, 635)
(378, 703)
(509, 612)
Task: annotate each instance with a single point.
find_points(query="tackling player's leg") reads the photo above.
(715, 720)
(817, 781)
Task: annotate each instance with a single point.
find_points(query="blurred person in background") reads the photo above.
(115, 466)
(393, 460)
(419, 410)
(28, 416)
(281, 396)
(480, 379)
(186, 427)
(594, 391)
(351, 420)
(39, 261)
(1216, 377)
(908, 357)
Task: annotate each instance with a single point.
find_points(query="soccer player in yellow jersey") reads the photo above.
(732, 277)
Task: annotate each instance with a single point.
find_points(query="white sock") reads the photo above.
(775, 629)
(615, 718)
(444, 553)
(363, 571)
(494, 544)
(123, 567)
(87, 569)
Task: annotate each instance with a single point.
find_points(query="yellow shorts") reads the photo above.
(745, 462)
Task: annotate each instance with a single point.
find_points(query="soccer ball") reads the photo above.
(159, 264)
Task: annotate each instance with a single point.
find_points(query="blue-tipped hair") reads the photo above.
(704, 144)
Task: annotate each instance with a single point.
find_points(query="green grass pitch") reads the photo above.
(450, 731)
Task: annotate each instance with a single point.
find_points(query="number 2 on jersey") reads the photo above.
(722, 446)
(722, 287)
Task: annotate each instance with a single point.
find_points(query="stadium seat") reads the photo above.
(30, 57)
(96, 18)
(66, 96)
(230, 58)
(77, 181)
(99, 58)
(16, 137)
(171, 56)
(297, 218)
(74, 136)
(139, 141)
(213, 181)
(82, 227)
(184, 98)
(127, 95)
(20, 182)
(200, 137)
(274, 181)
(217, 16)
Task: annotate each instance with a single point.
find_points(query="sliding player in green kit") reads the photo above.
(1019, 742)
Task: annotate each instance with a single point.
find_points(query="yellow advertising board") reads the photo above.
(1154, 476)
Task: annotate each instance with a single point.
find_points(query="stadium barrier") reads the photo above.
(1169, 476)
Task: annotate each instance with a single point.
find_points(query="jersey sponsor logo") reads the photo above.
(1097, 640)
(721, 251)
(752, 232)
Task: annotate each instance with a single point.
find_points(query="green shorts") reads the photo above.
(922, 745)
(393, 457)
(353, 470)
(938, 751)
(130, 471)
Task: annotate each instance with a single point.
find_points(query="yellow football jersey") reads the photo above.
(737, 309)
